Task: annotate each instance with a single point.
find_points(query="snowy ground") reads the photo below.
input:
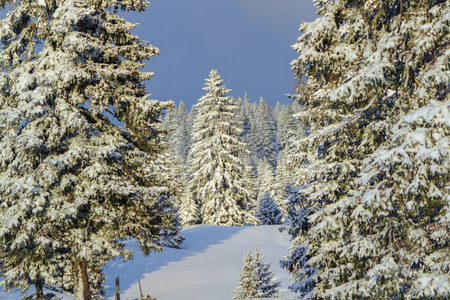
(206, 268)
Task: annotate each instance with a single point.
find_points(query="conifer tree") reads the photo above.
(181, 140)
(262, 135)
(265, 179)
(220, 179)
(246, 115)
(188, 208)
(246, 284)
(397, 242)
(277, 112)
(296, 224)
(256, 279)
(169, 125)
(72, 184)
(268, 211)
(289, 131)
(369, 63)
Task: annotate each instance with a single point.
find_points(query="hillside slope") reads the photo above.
(206, 268)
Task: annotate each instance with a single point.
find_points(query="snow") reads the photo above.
(207, 267)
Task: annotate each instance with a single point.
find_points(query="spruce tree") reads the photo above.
(246, 284)
(289, 128)
(266, 288)
(73, 185)
(296, 224)
(289, 131)
(397, 242)
(256, 279)
(277, 112)
(262, 135)
(188, 208)
(245, 115)
(267, 184)
(183, 133)
(169, 125)
(179, 127)
(265, 179)
(220, 179)
(367, 64)
(268, 211)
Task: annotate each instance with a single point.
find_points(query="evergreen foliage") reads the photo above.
(256, 279)
(262, 135)
(220, 180)
(245, 115)
(289, 131)
(183, 133)
(289, 128)
(296, 224)
(268, 212)
(265, 179)
(178, 124)
(73, 185)
(189, 210)
(367, 64)
(396, 224)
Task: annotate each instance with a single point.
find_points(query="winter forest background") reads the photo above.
(355, 168)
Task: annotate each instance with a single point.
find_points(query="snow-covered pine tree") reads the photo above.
(188, 208)
(262, 135)
(183, 133)
(169, 125)
(265, 179)
(220, 180)
(397, 238)
(288, 127)
(246, 283)
(266, 287)
(277, 112)
(256, 279)
(245, 115)
(368, 63)
(295, 224)
(164, 167)
(179, 127)
(72, 184)
(269, 199)
(289, 130)
(268, 211)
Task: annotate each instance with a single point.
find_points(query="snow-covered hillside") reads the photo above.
(206, 268)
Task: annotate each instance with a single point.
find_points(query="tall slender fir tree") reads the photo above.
(220, 179)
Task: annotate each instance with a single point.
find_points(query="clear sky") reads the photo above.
(247, 41)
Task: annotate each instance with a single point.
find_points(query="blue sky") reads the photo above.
(247, 41)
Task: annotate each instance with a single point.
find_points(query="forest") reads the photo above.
(356, 168)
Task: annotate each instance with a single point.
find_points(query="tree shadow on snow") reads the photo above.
(198, 239)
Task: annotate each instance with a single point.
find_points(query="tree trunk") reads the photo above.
(81, 290)
(39, 284)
